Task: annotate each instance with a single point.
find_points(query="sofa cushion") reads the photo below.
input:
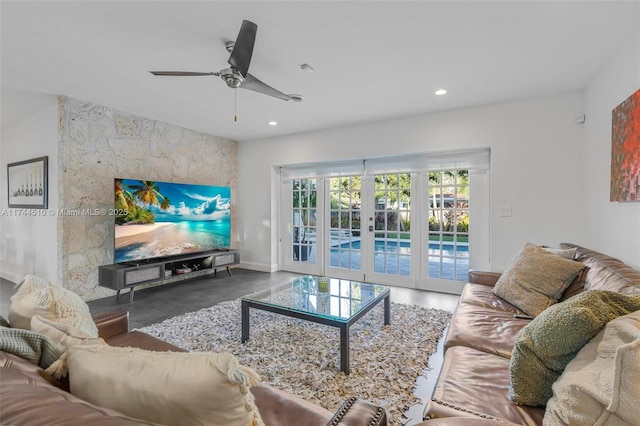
(482, 295)
(478, 383)
(484, 328)
(576, 287)
(536, 279)
(35, 297)
(600, 385)
(545, 346)
(606, 272)
(28, 397)
(170, 388)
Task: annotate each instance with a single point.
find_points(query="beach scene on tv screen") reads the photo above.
(160, 219)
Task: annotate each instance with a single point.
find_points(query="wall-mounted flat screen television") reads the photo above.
(160, 219)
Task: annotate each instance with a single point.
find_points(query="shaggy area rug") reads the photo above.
(303, 358)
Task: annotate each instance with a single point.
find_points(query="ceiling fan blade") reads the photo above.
(243, 49)
(183, 73)
(252, 83)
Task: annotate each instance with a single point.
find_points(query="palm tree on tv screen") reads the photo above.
(149, 194)
(125, 200)
(143, 195)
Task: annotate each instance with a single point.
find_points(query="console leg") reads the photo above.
(117, 295)
(131, 292)
(228, 271)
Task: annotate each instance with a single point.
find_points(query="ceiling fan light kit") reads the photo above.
(237, 75)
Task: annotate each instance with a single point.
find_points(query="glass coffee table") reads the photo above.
(329, 301)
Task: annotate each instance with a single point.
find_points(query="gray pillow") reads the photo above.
(545, 346)
(536, 279)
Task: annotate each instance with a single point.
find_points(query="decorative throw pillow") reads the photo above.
(23, 301)
(600, 385)
(169, 388)
(535, 279)
(546, 345)
(51, 302)
(566, 253)
(64, 336)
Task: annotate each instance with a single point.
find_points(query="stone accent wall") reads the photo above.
(97, 144)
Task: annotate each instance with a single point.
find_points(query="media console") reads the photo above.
(129, 275)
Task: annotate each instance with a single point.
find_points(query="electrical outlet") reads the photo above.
(504, 211)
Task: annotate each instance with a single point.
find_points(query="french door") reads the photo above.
(403, 229)
(369, 228)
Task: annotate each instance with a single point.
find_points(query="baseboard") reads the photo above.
(255, 266)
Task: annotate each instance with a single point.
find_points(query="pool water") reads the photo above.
(446, 261)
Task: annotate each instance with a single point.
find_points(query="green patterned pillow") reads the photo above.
(546, 345)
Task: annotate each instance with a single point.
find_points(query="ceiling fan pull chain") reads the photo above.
(235, 105)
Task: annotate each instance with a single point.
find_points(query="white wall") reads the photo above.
(612, 228)
(535, 168)
(28, 244)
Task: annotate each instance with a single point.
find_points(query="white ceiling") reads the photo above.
(372, 60)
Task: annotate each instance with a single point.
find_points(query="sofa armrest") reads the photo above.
(112, 323)
(280, 408)
(355, 412)
(484, 277)
(436, 409)
(465, 421)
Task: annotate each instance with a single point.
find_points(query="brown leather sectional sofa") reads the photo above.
(30, 397)
(474, 380)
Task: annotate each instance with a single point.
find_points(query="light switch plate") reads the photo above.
(504, 211)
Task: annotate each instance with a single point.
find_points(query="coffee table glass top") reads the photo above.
(333, 298)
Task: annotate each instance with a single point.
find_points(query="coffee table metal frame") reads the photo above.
(342, 323)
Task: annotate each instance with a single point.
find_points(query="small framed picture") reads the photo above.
(27, 181)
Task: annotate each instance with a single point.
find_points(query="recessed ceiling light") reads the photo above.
(441, 92)
(273, 123)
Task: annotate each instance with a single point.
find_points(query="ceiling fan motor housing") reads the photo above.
(232, 77)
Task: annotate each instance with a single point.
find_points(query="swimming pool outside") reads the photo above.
(447, 261)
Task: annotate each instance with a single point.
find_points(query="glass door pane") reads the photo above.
(303, 211)
(343, 234)
(448, 217)
(392, 223)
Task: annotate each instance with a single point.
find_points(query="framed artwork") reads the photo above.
(27, 181)
(625, 150)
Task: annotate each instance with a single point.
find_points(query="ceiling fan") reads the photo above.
(237, 75)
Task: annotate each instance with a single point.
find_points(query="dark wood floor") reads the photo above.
(155, 304)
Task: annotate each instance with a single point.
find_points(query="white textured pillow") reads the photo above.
(23, 302)
(64, 336)
(601, 384)
(170, 388)
(32, 282)
(51, 302)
